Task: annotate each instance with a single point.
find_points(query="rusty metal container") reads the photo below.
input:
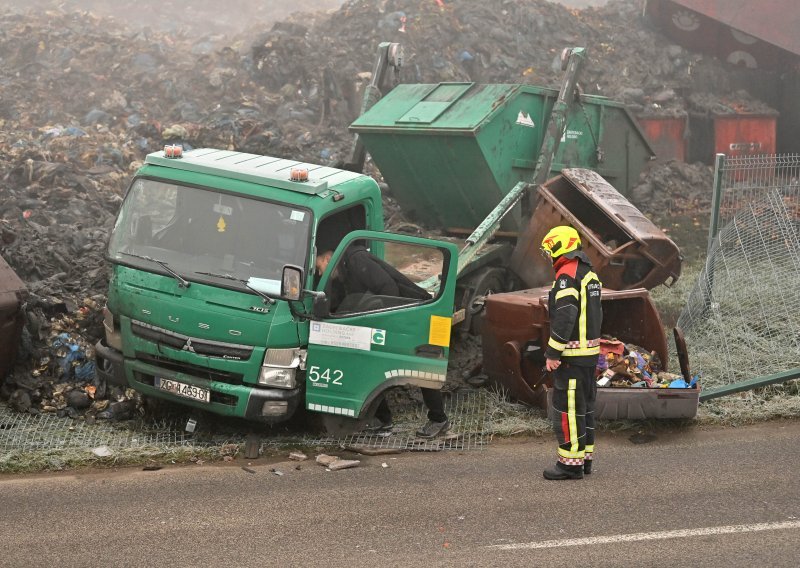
(667, 135)
(627, 250)
(515, 324)
(515, 330)
(12, 295)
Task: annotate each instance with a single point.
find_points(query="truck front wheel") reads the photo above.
(486, 282)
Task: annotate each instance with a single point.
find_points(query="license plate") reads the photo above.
(182, 389)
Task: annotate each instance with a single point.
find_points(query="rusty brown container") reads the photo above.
(627, 250)
(12, 296)
(516, 328)
(667, 136)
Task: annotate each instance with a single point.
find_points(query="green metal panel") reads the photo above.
(452, 165)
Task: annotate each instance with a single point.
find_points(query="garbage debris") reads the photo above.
(621, 365)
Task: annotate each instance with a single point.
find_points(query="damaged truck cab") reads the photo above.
(214, 301)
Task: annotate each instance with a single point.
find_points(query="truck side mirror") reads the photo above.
(292, 282)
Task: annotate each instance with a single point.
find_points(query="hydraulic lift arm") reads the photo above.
(389, 55)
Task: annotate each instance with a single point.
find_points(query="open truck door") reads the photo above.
(365, 341)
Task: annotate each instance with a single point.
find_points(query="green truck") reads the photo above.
(214, 301)
(211, 252)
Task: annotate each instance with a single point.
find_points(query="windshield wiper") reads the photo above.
(182, 282)
(264, 297)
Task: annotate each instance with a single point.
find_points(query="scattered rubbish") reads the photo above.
(298, 456)
(191, 424)
(248, 470)
(384, 465)
(276, 472)
(621, 365)
(152, 467)
(102, 451)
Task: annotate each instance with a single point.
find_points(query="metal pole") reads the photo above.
(751, 384)
(716, 200)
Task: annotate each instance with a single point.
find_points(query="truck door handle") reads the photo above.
(429, 351)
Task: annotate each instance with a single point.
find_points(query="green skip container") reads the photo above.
(450, 152)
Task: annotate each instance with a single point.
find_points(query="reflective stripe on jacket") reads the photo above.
(575, 312)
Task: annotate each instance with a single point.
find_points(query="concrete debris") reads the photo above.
(335, 463)
(102, 451)
(298, 456)
(343, 464)
(325, 460)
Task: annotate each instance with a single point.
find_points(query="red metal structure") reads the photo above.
(742, 32)
(667, 135)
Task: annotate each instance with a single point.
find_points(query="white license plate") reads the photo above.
(182, 389)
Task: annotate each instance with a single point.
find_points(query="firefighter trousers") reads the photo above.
(574, 394)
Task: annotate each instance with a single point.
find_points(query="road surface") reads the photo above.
(698, 497)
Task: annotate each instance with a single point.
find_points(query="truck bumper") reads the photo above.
(268, 405)
(110, 365)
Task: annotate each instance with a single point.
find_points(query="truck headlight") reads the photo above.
(280, 367)
(280, 378)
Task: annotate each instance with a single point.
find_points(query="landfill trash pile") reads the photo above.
(675, 189)
(628, 365)
(83, 98)
(164, 16)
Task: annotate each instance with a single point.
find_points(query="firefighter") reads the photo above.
(572, 351)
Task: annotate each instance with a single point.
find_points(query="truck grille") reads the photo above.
(204, 347)
(193, 370)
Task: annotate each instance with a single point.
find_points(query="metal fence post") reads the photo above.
(716, 200)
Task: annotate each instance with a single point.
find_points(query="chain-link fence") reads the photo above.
(742, 319)
(28, 434)
(741, 180)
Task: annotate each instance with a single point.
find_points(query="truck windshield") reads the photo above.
(200, 233)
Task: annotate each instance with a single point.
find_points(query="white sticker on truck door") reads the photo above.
(346, 336)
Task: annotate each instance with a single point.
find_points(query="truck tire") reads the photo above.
(339, 426)
(490, 280)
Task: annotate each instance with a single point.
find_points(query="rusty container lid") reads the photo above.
(627, 250)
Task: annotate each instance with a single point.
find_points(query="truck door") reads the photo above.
(379, 334)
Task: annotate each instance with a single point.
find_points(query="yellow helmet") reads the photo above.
(559, 241)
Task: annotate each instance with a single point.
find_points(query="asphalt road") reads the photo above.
(715, 497)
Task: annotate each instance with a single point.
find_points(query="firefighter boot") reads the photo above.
(587, 467)
(561, 471)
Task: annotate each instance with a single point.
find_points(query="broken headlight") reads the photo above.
(280, 367)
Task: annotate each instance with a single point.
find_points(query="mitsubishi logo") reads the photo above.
(188, 347)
